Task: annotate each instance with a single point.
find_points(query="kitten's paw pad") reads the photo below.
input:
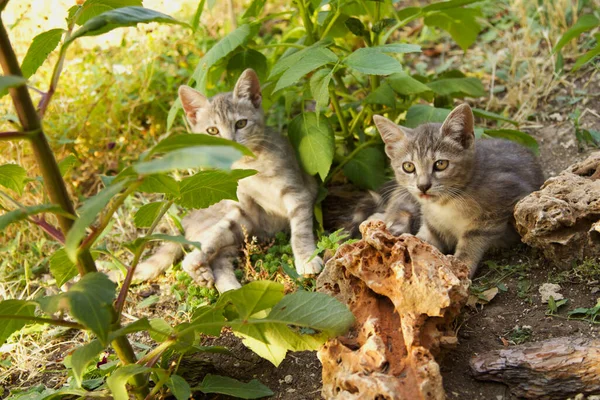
(200, 272)
(311, 267)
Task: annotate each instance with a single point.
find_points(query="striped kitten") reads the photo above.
(466, 188)
(279, 197)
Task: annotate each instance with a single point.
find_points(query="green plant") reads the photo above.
(520, 334)
(591, 315)
(554, 305)
(269, 322)
(584, 136)
(584, 24)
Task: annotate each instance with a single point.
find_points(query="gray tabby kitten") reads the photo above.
(466, 188)
(279, 197)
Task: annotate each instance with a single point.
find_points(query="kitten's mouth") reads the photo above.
(426, 196)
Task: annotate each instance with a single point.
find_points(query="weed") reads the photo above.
(497, 275)
(520, 334)
(554, 305)
(591, 315)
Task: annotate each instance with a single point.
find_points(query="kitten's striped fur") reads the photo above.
(279, 197)
(467, 207)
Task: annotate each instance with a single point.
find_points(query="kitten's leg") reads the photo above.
(472, 246)
(429, 236)
(222, 267)
(300, 214)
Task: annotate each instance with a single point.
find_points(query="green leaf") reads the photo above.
(444, 5)
(490, 115)
(11, 81)
(308, 63)
(458, 86)
(248, 58)
(25, 212)
(179, 387)
(160, 184)
(405, 84)
(382, 24)
(232, 387)
(253, 297)
(198, 15)
(87, 215)
(90, 302)
(209, 187)
(93, 8)
(421, 113)
(284, 63)
(82, 357)
(183, 141)
(372, 61)
(587, 57)
(220, 50)
(461, 24)
(67, 164)
(22, 308)
(516, 136)
(61, 267)
(147, 213)
(192, 157)
(398, 48)
(254, 9)
(117, 382)
(119, 18)
(319, 86)
(12, 176)
(584, 23)
(208, 319)
(160, 330)
(384, 94)
(355, 26)
(41, 46)
(313, 141)
(367, 169)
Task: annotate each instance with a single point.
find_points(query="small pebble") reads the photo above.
(288, 379)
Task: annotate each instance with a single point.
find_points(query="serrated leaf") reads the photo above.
(183, 141)
(421, 113)
(66, 164)
(192, 157)
(160, 184)
(355, 26)
(209, 187)
(117, 382)
(208, 319)
(367, 169)
(145, 216)
(179, 387)
(319, 86)
(458, 86)
(253, 297)
(219, 51)
(308, 63)
(516, 136)
(313, 141)
(11, 81)
(61, 267)
(160, 330)
(461, 24)
(87, 215)
(584, 23)
(232, 387)
(41, 46)
(119, 18)
(82, 357)
(372, 61)
(12, 176)
(90, 302)
(284, 63)
(384, 94)
(405, 84)
(22, 308)
(93, 8)
(398, 48)
(248, 58)
(25, 212)
(490, 115)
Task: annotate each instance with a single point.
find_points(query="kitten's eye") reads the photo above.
(241, 123)
(440, 165)
(408, 167)
(212, 131)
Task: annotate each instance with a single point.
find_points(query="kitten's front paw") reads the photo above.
(199, 270)
(145, 271)
(311, 267)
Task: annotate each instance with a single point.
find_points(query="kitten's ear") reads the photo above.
(248, 87)
(459, 126)
(390, 132)
(191, 100)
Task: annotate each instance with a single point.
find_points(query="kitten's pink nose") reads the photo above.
(424, 187)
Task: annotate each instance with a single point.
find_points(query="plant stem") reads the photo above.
(338, 111)
(308, 26)
(127, 356)
(120, 302)
(158, 350)
(398, 25)
(57, 322)
(331, 23)
(348, 158)
(14, 136)
(30, 121)
(357, 119)
(48, 228)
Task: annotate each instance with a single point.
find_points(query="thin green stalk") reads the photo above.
(158, 350)
(127, 356)
(50, 321)
(399, 25)
(308, 26)
(275, 45)
(338, 111)
(157, 387)
(348, 158)
(357, 119)
(331, 23)
(30, 122)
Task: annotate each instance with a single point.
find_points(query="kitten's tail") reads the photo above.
(166, 255)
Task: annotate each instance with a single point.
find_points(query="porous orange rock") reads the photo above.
(562, 219)
(405, 295)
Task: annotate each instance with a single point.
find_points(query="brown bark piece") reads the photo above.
(552, 369)
(562, 219)
(405, 295)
